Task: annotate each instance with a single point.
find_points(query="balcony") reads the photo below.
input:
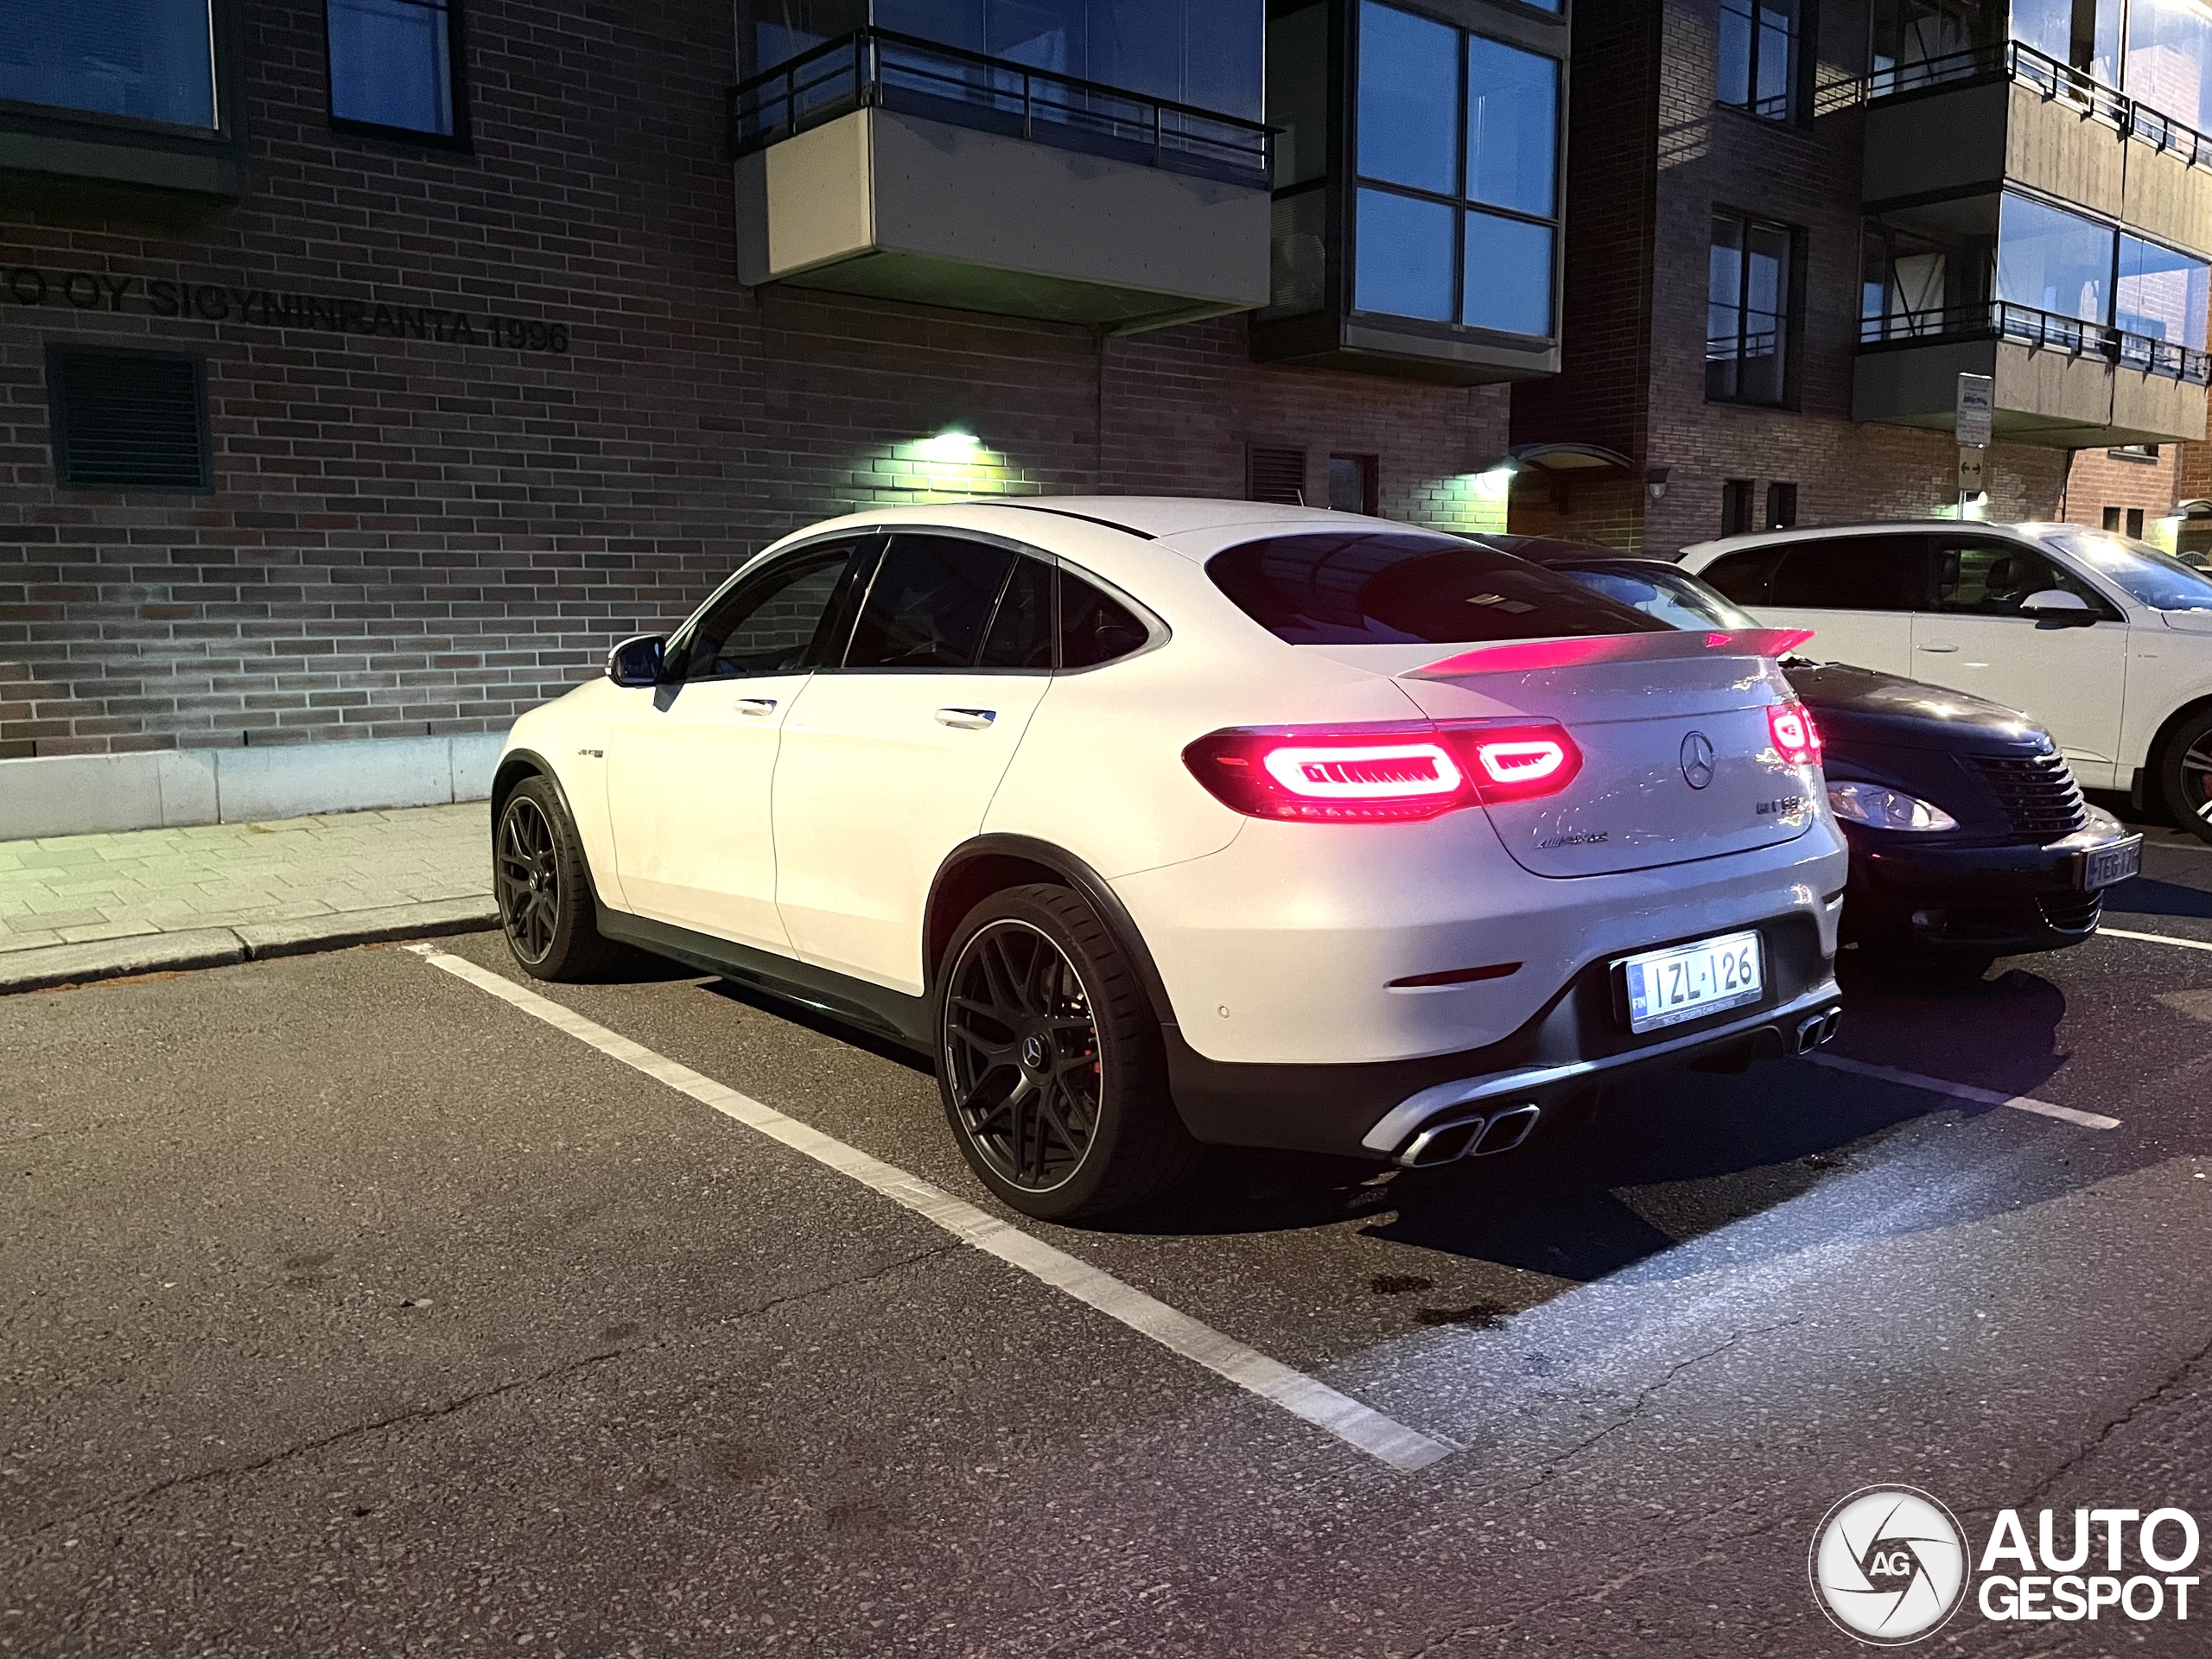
(2060, 382)
(1970, 121)
(883, 164)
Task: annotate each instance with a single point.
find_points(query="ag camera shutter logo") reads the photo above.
(1889, 1565)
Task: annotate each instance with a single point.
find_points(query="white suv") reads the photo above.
(1157, 822)
(2107, 642)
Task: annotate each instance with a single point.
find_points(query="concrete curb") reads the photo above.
(52, 965)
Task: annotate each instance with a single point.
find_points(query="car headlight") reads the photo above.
(1886, 809)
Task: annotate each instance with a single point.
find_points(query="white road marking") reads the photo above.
(2155, 938)
(1380, 1437)
(1965, 1091)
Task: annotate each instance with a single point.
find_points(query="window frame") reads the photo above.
(1798, 100)
(1462, 204)
(1935, 545)
(459, 140)
(863, 546)
(1790, 318)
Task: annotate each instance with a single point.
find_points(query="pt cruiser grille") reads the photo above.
(2038, 794)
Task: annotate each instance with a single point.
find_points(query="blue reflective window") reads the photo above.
(1512, 126)
(1430, 165)
(2054, 260)
(1404, 265)
(1409, 99)
(2169, 59)
(148, 59)
(391, 64)
(2162, 294)
(1508, 275)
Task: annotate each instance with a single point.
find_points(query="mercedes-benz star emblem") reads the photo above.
(1697, 759)
(1032, 1053)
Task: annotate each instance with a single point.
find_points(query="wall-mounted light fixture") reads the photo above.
(1655, 481)
(953, 446)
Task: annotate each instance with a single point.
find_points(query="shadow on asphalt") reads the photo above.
(2146, 896)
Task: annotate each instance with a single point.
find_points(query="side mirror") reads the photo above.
(2057, 606)
(637, 661)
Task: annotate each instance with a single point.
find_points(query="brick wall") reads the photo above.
(413, 536)
(2100, 481)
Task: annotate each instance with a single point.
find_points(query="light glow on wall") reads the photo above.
(951, 465)
(1467, 502)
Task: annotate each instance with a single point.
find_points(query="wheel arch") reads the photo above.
(516, 765)
(2155, 761)
(991, 864)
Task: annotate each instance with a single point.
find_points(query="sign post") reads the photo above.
(1977, 399)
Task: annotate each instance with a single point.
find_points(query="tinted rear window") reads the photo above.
(1365, 587)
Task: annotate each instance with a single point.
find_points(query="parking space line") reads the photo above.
(1358, 1425)
(2155, 938)
(1965, 1091)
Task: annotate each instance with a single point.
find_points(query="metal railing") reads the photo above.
(2016, 60)
(2044, 330)
(881, 69)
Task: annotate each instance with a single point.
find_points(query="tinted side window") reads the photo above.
(771, 623)
(1991, 578)
(931, 604)
(1094, 628)
(1747, 577)
(1879, 574)
(1021, 629)
(1365, 587)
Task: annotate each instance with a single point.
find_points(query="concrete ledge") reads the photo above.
(99, 794)
(215, 947)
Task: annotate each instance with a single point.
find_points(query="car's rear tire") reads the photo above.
(1050, 1061)
(2185, 774)
(546, 907)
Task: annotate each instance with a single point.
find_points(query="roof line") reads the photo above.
(1087, 517)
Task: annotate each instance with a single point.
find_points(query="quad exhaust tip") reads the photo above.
(1462, 1137)
(1816, 1029)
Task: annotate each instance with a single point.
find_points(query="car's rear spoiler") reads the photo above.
(1524, 656)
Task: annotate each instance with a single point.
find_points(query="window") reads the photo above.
(2082, 33)
(1920, 42)
(1759, 57)
(392, 66)
(2135, 452)
(126, 420)
(1749, 293)
(2053, 261)
(1450, 186)
(1746, 577)
(2135, 523)
(1780, 506)
(1877, 573)
(781, 620)
(931, 605)
(1021, 628)
(1352, 483)
(1095, 628)
(2161, 295)
(1735, 506)
(2169, 59)
(1992, 578)
(2149, 577)
(1380, 587)
(1675, 597)
(2112, 520)
(1276, 474)
(144, 59)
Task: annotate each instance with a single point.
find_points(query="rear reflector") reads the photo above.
(1795, 738)
(1351, 774)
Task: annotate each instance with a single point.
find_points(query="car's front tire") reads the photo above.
(1050, 1061)
(2185, 774)
(546, 907)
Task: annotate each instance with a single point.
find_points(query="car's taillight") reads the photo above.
(1353, 774)
(1796, 737)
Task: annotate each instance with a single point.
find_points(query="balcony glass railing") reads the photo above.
(2017, 60)
(2045, 330)
(879, 68)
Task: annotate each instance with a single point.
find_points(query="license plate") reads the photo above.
(1685, 981)
(2108, 866)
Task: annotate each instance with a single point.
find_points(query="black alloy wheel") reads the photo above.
(1022, 1057)
(528, 872)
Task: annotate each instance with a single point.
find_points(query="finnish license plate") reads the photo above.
(1685, 981)
(2108, 867)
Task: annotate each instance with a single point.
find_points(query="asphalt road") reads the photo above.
(352, 1309)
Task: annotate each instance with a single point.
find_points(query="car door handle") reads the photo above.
(1936, 648)
(967, 720)
(756, 705)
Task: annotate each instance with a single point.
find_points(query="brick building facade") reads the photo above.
(476, 413)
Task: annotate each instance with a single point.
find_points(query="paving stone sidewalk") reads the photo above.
(284, 884)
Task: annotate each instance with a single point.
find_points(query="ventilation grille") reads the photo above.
(125, 419)
(1277, 475)
(2072, 912)
(2038, 795)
